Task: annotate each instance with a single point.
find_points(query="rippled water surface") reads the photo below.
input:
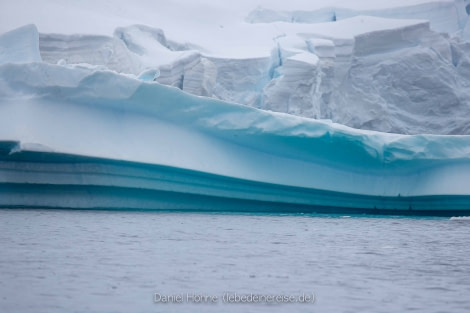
(114, 261)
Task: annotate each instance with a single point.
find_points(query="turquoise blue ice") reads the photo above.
(81, 137)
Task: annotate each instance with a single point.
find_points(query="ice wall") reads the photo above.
(108, 140)
(76, 136)
(20, 45)
(394, 69)
(387, 75)
(447, 16)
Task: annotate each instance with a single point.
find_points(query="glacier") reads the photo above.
(399, 67)
(83, 136)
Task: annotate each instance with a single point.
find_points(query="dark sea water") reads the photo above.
(116, 261)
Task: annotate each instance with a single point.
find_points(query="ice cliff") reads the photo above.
(400, 67)
(83, 136)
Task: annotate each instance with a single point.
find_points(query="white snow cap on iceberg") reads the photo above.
(397, 66)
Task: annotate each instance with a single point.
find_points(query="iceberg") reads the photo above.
(331, 106)
(397, 66)
(400, 66)
(84, 137)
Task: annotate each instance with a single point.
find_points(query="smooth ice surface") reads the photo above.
(98, 261)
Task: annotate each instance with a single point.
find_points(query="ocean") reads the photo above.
(153, 261)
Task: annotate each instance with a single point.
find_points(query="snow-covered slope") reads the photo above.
(400, 66)
(78, 136)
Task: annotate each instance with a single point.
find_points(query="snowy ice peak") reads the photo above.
(401, 67)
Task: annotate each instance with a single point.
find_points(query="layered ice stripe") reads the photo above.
(57, 180)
